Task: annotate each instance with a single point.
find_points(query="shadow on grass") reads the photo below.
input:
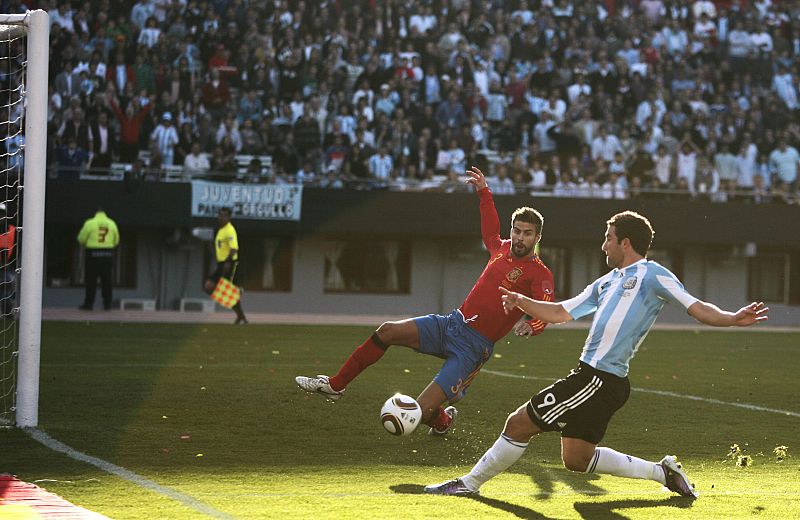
(515, 509)
(545, 479)
(604, 510)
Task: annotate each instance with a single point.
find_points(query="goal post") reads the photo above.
(34, 26)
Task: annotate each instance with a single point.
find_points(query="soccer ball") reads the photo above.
(401, 414)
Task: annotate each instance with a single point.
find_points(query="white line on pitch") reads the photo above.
(662, 492)
(125, 474)
(664, 393)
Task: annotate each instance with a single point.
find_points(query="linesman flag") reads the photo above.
(226, 294)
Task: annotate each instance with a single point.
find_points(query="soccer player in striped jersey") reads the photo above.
(625, 303)
(464, 338)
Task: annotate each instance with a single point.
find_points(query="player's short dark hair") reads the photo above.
(634, 227)
(529, 215)
(226, 210)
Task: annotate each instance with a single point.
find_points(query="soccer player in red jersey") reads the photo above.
(464, 338)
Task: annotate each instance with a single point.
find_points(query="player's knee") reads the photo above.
(388, 332)
(575, 462)
(519, 426)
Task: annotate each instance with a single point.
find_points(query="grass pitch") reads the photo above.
(212, 414)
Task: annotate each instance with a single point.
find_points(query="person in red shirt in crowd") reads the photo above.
(221, 62)
(465, 338)
(8, 277)
(130, 123)
(216, 93)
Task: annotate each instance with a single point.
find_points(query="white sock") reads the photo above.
(497, 459)
(612, 462)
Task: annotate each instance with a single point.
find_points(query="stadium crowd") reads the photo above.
(612, 99)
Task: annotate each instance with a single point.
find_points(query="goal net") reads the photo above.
(23, 120)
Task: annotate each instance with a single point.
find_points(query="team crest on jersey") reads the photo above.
(514, 274)
(629, 283)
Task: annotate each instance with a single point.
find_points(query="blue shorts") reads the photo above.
(463, 348)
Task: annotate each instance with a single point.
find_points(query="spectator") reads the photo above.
(783, 161)
(216, 94)
(588, 188)
(605, 146)
(131, 122)
(386, 101)
(726, 167)
(71, 159)
(616, 187)
(104, 142)
(537, 175)
(500, 183)
(450, 113)
(380, 166)
(228, 129)
(196, 162)
(567, 143)
(164, 139)
(662, 168)
(77, 128)
(252, 143)
(707, 182)
(250, 107)
(305, 175)
(307, 136)
(67, 82)
(687, 165)
(746, 165)
(564, 187)
(149, 36)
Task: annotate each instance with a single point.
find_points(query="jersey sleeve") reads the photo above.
(83, 235)
(583, 304)
(541, 289)
(115, 239)
(233, 239)
(667, 287)
(490, 223)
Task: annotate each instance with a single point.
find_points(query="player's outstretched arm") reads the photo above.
(710, 314)
(548, 312)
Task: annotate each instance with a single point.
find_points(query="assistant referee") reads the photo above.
(100, 236)
(226, 246)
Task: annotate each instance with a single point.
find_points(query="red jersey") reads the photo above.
(483, 308)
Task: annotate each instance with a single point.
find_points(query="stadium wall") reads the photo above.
(708, 245)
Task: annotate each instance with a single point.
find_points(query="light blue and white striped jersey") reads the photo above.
(625, 303)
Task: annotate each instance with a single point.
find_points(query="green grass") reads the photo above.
(127, 393)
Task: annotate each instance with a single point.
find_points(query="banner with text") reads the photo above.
(251, 201)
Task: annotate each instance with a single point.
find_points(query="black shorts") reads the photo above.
(581, 405)
(226, 269)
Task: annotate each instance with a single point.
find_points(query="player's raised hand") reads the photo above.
(476, 178)
(750, 314)
(510, 299)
